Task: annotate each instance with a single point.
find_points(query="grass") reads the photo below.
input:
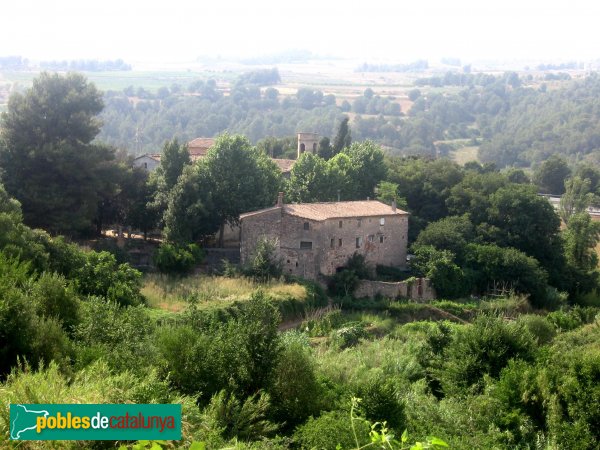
(168, 295)
(465, 154)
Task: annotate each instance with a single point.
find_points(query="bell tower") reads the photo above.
(308, 142)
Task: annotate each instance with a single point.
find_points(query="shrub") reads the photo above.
(265, 263)
(329, 430)
(380, 403)
(296, 392)
(540, 328)
(53, 297)
(347, 278)
(102, 276)
(175, 259)
(483, 348)
(348, 336)
(233, 418)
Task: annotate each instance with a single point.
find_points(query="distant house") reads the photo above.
(149, 161)
(197, 148)
(318, 238)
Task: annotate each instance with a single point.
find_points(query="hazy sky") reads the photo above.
(178, 30)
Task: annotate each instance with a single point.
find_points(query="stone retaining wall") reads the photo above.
(419, 289)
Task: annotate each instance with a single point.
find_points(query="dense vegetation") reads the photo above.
(517, 121)
(260, 361)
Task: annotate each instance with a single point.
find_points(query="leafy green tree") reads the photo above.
(576, 199)
(550, 176)
(519, 218)
(425, 185)
(173, 159)
(265, 262)
(309, 181)
(368, 168)
(500, 270)
(325, 150)
(387, 192)
(446, 276)
(190, 213)
(343, 138)
(451, 233)
(241, 179)
(581, 238)
(50, 163)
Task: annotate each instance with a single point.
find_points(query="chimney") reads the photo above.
(338, 192)
(394, 205)
(368, 199)
(280, 199)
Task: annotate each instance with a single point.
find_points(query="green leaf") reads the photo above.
(405, 436)
(437, 441)
(198, 446)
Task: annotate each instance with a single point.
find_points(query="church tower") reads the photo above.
(308, 142)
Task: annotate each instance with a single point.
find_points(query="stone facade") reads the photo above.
(308, 142)
(419, 289)
(319, 238)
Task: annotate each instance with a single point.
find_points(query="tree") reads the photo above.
(368, 168)
(551, 175)
(189, 214)
(342, 138)
(519, 218)
(325, 149)
(172, 161)
(50, 163)
(309, 181)
(576, 199)
(240, 177)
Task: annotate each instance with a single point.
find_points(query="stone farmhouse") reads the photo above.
(318, 238)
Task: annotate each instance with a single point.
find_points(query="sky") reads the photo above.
(394, 30)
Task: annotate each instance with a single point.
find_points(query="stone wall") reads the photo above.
(419, 290)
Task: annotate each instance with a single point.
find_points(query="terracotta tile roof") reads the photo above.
(200, 146)
(323, 211)
(334, 210)
(285, 165)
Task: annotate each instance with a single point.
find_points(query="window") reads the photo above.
(306, 226)
(371, 238)
(382, 221)
(332, 243)
(304, 245)
(302, 148)
(315, 147)
(339, 242)
(145, 165)
(358, 223)
(359, 241)
(340, 224)
(381, 239)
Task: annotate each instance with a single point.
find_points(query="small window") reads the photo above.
(358, 223)
(315, 147)
(302, 148)
(304, 245)
(339, 242)
(382, 221)
(340, 224)
(359, 241)
(306, 226)
(381, 239)
(332, 243)
(288, 261)
(371, 238)
(145, 165)
(296, 263)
